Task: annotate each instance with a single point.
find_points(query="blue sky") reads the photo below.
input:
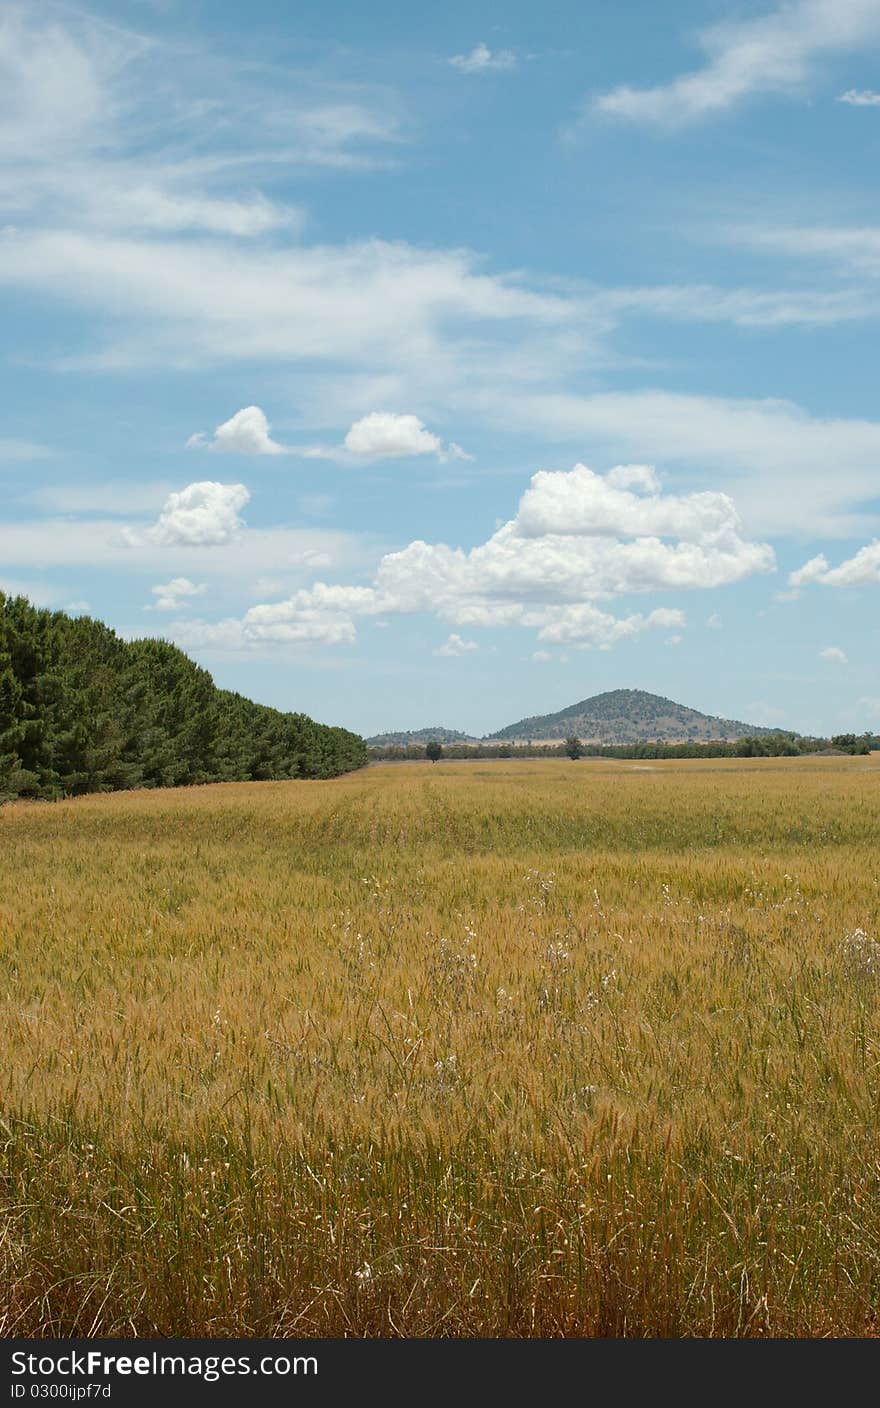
(413, 365)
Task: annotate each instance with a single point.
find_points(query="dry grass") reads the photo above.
(527, 1048)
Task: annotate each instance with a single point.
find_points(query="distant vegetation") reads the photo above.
(83, 711)
(767, 745)
(404, 737)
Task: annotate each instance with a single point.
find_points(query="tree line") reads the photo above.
(773, 745)
(82, 710)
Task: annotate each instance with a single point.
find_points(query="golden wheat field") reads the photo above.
(503, 1049)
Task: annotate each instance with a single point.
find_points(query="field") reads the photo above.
(506, 1049)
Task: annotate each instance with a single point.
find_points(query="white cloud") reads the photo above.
(863, 569)
(106, 544)
(542, 657)
(105, 496)
(481, 59)
(319, 614)
(581, 502)
(470, 587)
(530, 560)
(585, 625)
(205, 514)
(383, 434)
(164, 204)
(245, 433)
(714, 622)
(455, 645)
(741, 307)
(860, 98)
(91, 123)
(170, 594)
(207, 635)
(528, 574)
(834, 655)
(854, 248)
(773, 454)
(777, 52)
(399, 312)
(642, 477)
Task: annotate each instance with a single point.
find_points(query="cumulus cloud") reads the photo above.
(581, 502)
(643, 477)
(860, 98)
(204, 514)
(321, 614)
(300, 624)
(586, 625)
(481, 59)
(578, 537)
(770, 53)
(245, 433)
(834, 655)
(169, 595)
(773, 452)
(863, 569)
(388, 435)
(571, 544)
(455, 645)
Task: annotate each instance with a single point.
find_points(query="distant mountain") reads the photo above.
(419, 735)
(630, 716)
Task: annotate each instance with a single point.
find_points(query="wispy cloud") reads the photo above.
(860, 98)
(104, 128)
(852, 248)
(777, 52)
(113, 545)
(772, 453)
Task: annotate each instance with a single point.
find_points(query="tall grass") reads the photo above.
(517, 1049)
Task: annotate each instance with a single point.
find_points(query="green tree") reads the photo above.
(83, 711)
(434, 751)
(573, 747)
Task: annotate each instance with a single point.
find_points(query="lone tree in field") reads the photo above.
(434, 751)
(573, 747)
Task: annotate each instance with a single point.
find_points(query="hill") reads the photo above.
(630, 716)
(82, 710)
(419, 735)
